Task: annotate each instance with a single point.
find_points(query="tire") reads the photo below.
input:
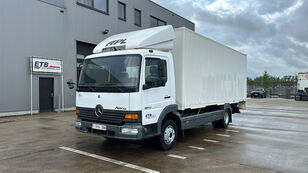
(224, 122)
(110, 139)
(169, 134)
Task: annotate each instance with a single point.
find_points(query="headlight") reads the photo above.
(129, 131)
(77, 124)
(77, 111)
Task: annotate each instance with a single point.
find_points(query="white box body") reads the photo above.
(302, 81)
(207, 72)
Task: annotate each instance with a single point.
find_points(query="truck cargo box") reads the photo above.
(302, 81)
(207, 72)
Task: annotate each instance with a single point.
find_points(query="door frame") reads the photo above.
(53, 90)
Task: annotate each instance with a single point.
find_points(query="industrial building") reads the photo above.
(64, 30)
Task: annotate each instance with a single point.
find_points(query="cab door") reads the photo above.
(156, 90)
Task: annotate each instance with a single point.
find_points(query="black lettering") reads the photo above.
(109, 44)
(114, 42)
(123, 41)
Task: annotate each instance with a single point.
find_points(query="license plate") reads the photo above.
(256, 94)
(99, 127)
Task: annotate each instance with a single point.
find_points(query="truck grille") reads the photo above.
(108, 117)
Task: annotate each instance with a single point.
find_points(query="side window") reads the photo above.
(100, 5)
(156, 22)
(155, 72)
(137, 17)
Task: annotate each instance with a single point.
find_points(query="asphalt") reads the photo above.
(271, 135)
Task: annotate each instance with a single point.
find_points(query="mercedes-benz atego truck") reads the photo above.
(159, 82)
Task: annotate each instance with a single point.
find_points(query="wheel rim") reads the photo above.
(169, 135)
(226, 118)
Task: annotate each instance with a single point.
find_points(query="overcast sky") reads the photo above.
(273, 33)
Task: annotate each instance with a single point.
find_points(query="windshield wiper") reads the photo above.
(113, 85)
(87, 86)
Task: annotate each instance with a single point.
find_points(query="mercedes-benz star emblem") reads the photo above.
(99, 110)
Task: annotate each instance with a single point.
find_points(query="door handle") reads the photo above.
(51, 94)
(167, 97)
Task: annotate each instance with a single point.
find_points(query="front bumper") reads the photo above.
(113, 131)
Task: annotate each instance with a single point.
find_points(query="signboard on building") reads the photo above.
(46, 65)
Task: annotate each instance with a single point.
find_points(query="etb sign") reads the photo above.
(44, 65)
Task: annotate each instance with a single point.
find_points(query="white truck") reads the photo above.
(302, 86)
(158, 82)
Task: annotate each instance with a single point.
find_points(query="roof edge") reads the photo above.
(174, 13)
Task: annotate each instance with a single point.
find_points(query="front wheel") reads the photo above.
(168, 135)
(224, 122)
(110, 139)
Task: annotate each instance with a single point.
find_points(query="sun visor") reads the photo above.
(159, 38)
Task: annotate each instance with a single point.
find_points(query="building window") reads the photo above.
(99, 5)
(86, 2)
(122, 11)
(157, 22)
(137, 17)
(83, 50)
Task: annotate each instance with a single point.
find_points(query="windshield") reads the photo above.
(111, 74)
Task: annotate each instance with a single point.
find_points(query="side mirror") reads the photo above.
(145, 87)
(71, 84)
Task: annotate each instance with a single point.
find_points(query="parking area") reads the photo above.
(271, 135)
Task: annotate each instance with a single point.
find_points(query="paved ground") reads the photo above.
(270, 136)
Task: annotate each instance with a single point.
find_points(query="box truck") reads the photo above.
(302, 87)
(158, 82)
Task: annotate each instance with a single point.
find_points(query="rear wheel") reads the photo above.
(224, 122)
(168, 135)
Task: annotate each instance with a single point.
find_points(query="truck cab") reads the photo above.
(126, 91)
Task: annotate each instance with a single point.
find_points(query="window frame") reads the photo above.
(157, 20)
(140, 18)
(123, 19)
(95, 9)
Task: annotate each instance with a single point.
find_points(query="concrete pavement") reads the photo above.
(270, 136)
